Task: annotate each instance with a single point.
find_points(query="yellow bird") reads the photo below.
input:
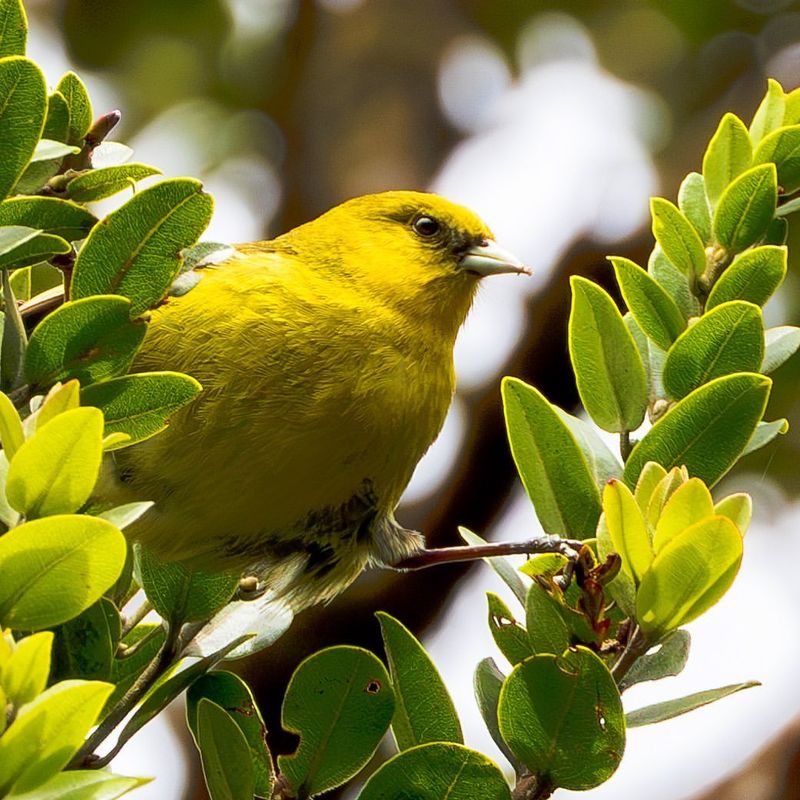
(326, 360)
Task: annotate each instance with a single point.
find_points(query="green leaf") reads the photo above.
(227, 766)
(678, 239)
(51, 214)
(126, 514)
(688, 575)
(547, 630)
(180, 594)
(602, 463)
(782, 148)
(674, 708)
(231, 693)
(691, 502)
(778, 231)
(8, 516)
(780, 344)
(54, 568)
(693, 203)
(61, 398)
(24, 675)
(622, 588)
(707, 430)
(110, 154)
(562, 717)
(56, 125)
(437, 771)
(23, 104)
(423, 711)
(11, 434)
(729, 154)
(501, 565)
(85, 645)
(48, 732)
(14, 236)
(627, 529)
(727, 339)
(674, 282)
(653, 358)
(746, 208)
(136, 251)
(49, 150)
(96, 184)
(764, 433)
(13, 28)
(753, 276)
(668, 659)
(80, 107)
(89, 339)
(550, 463)
(340, 702)
(509, 636)
(83, 785)
(124, 671)
(488, 682)
(770, 113)
(140, 405)
(55, 470)
(738, 508)
(39, 248)
(651, 306)
(14, 339)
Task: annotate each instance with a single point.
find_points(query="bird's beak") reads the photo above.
(488, 258)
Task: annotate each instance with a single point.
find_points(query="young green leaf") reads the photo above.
(728, 339)
(651, 306)
(80, 107)
(729, 153)
(509, 636)
(55, 470)
(693, 203)
(225, 755)
(689, 574)
(89, 339)
(61, 398)
(550, 463)
(140, 405)
(678, 239)
(423, 711)
(96, 184)
(770, 113)
(628, 529)
(23, 104)
(746, 208)
(51, 214)
(48, 732)
(691, 502)
(340, 702)
(782, 148)
(707, 430)
(11, 434)
(753, 276)
(61, 565)
(547, 630)
(232, 694)
(608, 368)
(738, 508)
(622, 589)
(487, 684)
(136, 251)
(562, 717)
(437, 770)
(667, 660)
(24, 675)
(659, 712)
(89, 784)
(780, 344)
(13, 28)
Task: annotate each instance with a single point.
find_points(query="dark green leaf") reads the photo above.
(729, 153)
(84, 646)
(651, 306)
(56, 124)
(140, 405)
(227, 765)
(136, 251)
(746, 209)
(550, 463)
(59, 217)
(677, 237)
(780, 344)
(39, 248)
(668, 659)
(80, 108)
(782, 148)
(509, 636)
(232, 694)
(727, 339)
(54, 568)
(423, 711)
(437, 772)
(562, 717)
(14, 339)
(488, 682)
(608, 369)
(706, 431)
(124, 671)
(96, 184)
(603, 464)
(182, 595)
(340, 702)
(692, 201)
(753, 276)
(674, 708)
(674, 282)
(13, 28)
(23, 104)
(547, 630)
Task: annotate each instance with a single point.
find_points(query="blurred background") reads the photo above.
(555, 121)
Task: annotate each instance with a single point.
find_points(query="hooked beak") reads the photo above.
(488, 258)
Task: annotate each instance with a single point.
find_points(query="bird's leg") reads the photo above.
(430, 557)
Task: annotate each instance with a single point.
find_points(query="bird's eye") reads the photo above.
(426, 226)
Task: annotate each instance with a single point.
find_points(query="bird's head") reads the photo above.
(407, 248)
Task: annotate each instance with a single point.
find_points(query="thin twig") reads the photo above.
(134, 619)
